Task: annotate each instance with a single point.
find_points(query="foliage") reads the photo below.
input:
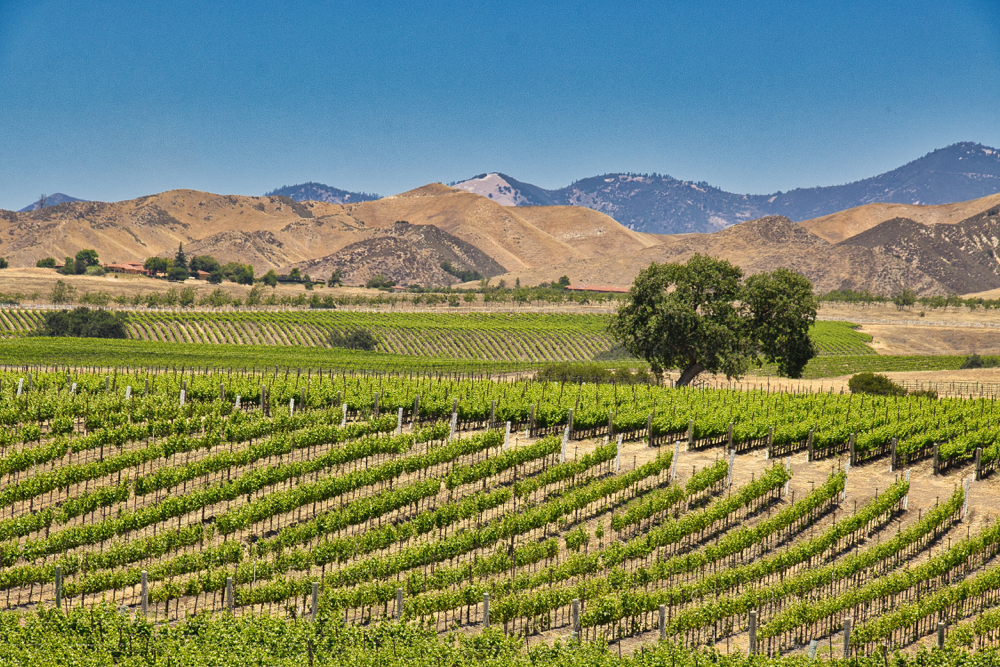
(94, 270)
(62, 293)
(355, 339)
(156, 265)
(702, 315)
(379, 281)
(177, 274)
(463, 275)
(84, 259)
(83, 322)
(205, 263)
(870, 383)
(4, 263)
(270, 278)
(47, 263)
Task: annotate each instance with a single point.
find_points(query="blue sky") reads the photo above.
(113, 100)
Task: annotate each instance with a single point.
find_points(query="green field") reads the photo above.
(212, 519)
(504, 337)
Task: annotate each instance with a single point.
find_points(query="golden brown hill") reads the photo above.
(843, 225)
(277, 232)
(757, 245)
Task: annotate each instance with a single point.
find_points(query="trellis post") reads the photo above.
(229, 594)
(58, 587)
(663, 622)
(315, 601)
(144, 599)
(399, 603)
(753, 632)
(486, 610)
(576, 617)
(399, 422)
(847, 636)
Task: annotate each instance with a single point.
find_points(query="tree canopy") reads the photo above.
(704, 316)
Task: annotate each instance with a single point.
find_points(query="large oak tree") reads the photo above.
(703, 315)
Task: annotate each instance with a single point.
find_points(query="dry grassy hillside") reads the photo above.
(845, 224)
(276, 232)
(758, 245)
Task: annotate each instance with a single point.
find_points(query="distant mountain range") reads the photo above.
(319, 192)
(662, 204)
(50, 200)
(665, 205)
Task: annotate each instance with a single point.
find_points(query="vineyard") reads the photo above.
(500, 337)
(416, 505)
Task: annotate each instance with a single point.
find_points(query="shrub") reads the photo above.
(177, 274)
(47, 263)
(870, 383)
(85, 323)
(94, 270)
(4, 263)
(975, 361)
(358, 339)
(62, 293)
(379, 281)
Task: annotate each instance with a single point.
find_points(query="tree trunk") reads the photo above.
(689, 374)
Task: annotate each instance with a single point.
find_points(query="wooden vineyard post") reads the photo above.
(377, 410)
(454, 424)
(576, 617)
(486, 610)
(222, 391)
(690, 434)
(618, 454)
(611, 425)
(343, 421)
(315, 601)
(906, 498)
(729, 474)
(569, 425)
(663, 622)
(649, 430)
(940, 634)
(729, 437)
(937, 458)
(892, 456)
(229, 594)
(145, 593)
(291, 407)
(58, 587)
(673, 463)
(979, 463)
(753, 632)
(399, 603)
(565, 441)
(506, 438)
(965, 500)
(416, 412)
(847, 636)
(788, 467)
(809, 446)
(493, 415)
(399, 422)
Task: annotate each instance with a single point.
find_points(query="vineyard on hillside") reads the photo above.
(499, 337)
(543, 510)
